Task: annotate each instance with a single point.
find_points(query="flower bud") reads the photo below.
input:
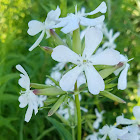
(38, 86)
(51, 91)
(48, 50)
(56, 105)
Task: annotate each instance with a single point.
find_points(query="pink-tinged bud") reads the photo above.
(51, 91)
(35, 91)
(47, 49)
(120, 64)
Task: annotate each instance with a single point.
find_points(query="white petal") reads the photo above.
(136, 112)
(62, 53)
(93, 37)
(81, 80)
(47, 34)
(96, 123)
(91, 22)
(106, 44)
(83, 109)
(68, 80)
(33, 101)
(35, 27)
(53, 14)
(69, 23)
(29, 113)
(122, 81)
(94, 80)
(106, 57)
(115, 36)
(116, 72)
(23, 100)
(37, 41)
(24, 81)
(21, 69)
(101, 8)
(122, 120)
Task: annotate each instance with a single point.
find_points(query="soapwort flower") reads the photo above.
(99, 119)
(72, 21)
(133, 133)
(111, 38)
(122, 81)
(27, 97)
(112, 132)
(36, 26)
(85, 62)
(136, 113)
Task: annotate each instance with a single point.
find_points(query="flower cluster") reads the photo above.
(81, 68)
(131, 131)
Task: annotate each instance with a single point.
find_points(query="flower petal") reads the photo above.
(24, 81)
(69, 23)
(62, 53)
(91, 22)
(23, 100)
(35, 27)
(94, 80)
(68, 80)
(136, 112)
(29, 113)
(106, 57)
(115, 36)
(37, 41)
(53, 15)
(122, 81)
(124, 121)
(93, 37)
(101, 8)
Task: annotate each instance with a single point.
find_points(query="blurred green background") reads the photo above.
(122, 16)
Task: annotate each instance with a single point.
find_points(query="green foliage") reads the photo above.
(122, 16)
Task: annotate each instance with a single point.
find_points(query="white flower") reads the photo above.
(68, 111)
(28, 97)
(44, 27)
(112, 132)
(136, 113)
(111, 38)
(99, 118)
(59, 66)
(122, 81)
(56, 75)
(41, 100)
(133, 133)
(85, 62)
(94, 136)
(72, 21)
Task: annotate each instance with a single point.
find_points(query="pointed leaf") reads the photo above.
(112, 96)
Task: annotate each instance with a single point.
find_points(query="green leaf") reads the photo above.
(61, 129)
(56, 105)
(112, 96)
(8, 97)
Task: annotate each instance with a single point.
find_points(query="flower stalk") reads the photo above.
(77, 102)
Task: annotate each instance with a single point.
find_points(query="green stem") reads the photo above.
(77, 102)
(76, 45)
(73, 133)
